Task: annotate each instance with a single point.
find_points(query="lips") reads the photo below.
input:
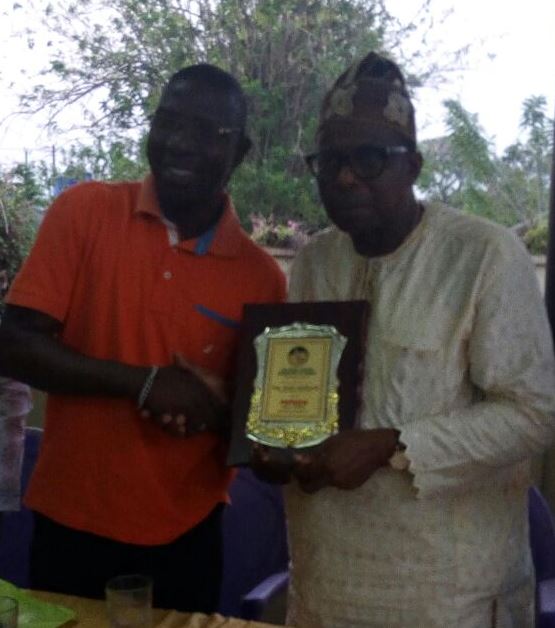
(182, 176)
(179, 174)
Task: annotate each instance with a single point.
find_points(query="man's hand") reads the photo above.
(271, 464)
(345, 460)
(186, 400)
(215, 383)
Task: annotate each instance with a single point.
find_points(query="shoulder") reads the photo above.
(326, 268)
(325, 247)
(260, 266)
(328, 252)
(93, 196)
(473, 236)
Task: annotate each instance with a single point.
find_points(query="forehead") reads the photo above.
(199, 99)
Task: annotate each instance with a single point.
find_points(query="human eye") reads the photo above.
(368, 159)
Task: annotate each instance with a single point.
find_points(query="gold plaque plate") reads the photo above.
(294, 403)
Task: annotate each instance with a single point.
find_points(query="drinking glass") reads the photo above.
(8, 612)
(129, 601)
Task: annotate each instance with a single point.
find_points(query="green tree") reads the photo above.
(118, 53)
(459, 168)
(119, 160)
(463, 170)
(20, 199)
(527, 164)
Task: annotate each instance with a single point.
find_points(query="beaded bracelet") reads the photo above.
(145, 390)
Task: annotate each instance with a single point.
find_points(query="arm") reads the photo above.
(345, 460)
(31, 351)
(511, 364)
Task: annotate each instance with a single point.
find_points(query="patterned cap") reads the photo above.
(371, 91)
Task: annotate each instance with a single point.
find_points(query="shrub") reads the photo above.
(265, 230)
(536, 238)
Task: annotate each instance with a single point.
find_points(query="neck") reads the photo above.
(378, 242)
(191, 218)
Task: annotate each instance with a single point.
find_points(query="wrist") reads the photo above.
(398, 459)
(146, 387)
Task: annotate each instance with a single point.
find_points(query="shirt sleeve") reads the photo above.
(511, 364)
(46, 279)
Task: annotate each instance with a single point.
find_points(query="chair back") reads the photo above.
(254, 536)
(16, 528)
(542, 535)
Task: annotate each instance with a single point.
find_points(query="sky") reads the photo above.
(511, 57)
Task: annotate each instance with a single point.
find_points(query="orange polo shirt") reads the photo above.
(108, 267)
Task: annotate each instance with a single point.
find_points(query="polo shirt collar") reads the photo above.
(223, 239)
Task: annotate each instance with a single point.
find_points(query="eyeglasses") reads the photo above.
(366, 161)
(201, 129)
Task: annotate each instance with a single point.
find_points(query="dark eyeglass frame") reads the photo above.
(336, 160)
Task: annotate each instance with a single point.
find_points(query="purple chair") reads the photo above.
(16, 529)
(542, 544)
(255, 546)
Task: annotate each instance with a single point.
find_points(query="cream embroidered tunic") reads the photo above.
(460, 360)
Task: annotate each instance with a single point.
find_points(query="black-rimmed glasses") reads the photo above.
(366, 160)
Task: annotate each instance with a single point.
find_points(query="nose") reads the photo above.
(346, 177)
(182, 137)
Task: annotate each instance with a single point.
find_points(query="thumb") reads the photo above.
(181, 361)
(215, 383)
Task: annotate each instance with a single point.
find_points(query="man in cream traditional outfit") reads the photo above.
(418, 518)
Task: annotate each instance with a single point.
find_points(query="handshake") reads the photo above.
(185, 399)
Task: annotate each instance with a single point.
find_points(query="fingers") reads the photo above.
(178, 425)
(174, 425)
(181, 361)
(183, 387)
(213, 382)
(261, 452)
(270, 464)
(310, 472)
(180, 420)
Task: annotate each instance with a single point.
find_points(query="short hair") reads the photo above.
(217, 78)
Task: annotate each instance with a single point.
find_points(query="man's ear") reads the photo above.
(243, 147)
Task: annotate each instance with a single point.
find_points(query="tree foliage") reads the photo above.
(115, 55)
(463, 170)
(110, 160)
(20, 196)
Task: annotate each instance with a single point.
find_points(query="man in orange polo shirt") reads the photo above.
(127, 313)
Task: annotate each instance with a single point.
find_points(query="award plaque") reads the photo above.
(298, 375)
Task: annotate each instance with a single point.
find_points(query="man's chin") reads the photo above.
(355, 221)
(179, 194)
(368, 237)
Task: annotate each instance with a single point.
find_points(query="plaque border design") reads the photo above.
(295, 434)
